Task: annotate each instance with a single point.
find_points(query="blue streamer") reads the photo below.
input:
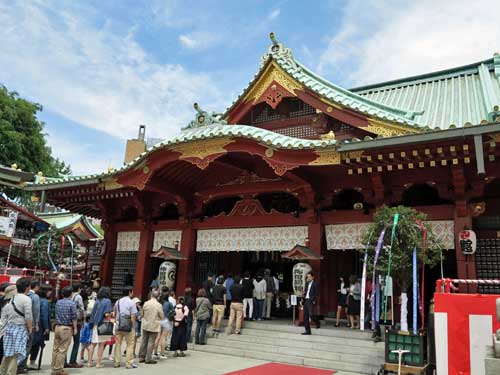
(50, 258)
(415, 291)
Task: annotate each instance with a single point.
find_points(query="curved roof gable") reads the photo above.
(282, 56)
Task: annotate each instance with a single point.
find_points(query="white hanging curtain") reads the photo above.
(350, 236)
(251, 239)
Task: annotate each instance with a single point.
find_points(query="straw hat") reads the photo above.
(136, 300)
(10, 291)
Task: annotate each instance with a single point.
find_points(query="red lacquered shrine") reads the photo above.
(298, 158)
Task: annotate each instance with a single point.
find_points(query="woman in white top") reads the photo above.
(259, 293)
(342, 298)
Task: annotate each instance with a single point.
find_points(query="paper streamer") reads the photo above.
(48, 255)
(72, 253)
(422, 288)
(393, 234)
(380, 242)
(363, 294)
(415, 291)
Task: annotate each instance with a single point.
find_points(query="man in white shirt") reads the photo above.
(125, 310)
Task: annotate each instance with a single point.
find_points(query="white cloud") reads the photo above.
(274, 14)
(94, 75)
(387, 40)
(199, 40)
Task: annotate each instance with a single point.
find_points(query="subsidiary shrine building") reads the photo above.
(298, 160)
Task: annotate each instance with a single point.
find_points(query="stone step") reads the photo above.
(316, 338)
(325, 331)
(347, 367)
(329, 352)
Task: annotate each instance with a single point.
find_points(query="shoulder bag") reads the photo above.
(124, 321)
(105, 328)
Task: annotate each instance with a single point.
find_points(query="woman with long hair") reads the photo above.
(342, 301)
(178, 343)
(100, 313)
(354, 304)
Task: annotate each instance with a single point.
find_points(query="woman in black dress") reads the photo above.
(178, 343)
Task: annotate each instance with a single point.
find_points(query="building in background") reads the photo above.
(296, 158)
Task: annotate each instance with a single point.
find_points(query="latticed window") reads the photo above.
(488, 263)
(299, 131)
(302, 109)
(267, 114)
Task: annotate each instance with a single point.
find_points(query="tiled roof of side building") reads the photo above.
(455, 97)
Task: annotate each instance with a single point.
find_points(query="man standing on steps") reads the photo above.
(270, 293)
(309, 299)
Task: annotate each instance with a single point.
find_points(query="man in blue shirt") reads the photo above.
(228, 284)
(66, 319)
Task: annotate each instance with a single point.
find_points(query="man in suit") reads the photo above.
(311, 292)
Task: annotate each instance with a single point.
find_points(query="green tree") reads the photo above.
(408, 235)
(22, 140)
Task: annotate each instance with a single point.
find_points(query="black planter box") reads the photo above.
(416, 344)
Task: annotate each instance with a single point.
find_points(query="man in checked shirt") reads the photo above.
(65, 329)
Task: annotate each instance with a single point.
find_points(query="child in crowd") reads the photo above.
(85, 339)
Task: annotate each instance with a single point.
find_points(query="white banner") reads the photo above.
(8, 224)
(350, 236)
(166, 238)
(251, 239)
(128, 241)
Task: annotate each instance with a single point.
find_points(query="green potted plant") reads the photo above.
(398, 251)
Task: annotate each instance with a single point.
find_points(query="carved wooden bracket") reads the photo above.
(248, 207)
(203, 163)
(279, 168)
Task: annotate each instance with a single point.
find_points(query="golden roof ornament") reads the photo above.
(328, 136)
(13, 166)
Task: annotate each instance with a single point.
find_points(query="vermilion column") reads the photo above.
(185, 270)
(143, 275)
(315, 232)
(108, 260)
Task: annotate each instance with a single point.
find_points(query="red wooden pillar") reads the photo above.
(315, 233)
(143, 274)
(466, 265)
(108, 261)
(185, 272)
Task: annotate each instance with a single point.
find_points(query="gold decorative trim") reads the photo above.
(111, 184)
(202, 148)
(269, 152)
(328, 157)
(272, 73)
(387, 129)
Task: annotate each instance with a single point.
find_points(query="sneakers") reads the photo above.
(131, 367)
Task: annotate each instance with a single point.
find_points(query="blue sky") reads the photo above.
(101, 68)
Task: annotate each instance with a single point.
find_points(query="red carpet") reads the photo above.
(280, 369)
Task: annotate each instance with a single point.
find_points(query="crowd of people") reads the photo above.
(89, 320)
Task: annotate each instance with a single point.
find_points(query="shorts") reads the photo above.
(166, 325)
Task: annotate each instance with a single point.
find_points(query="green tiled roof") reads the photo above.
(216, 130)
(284, 58)
(459, 96)
(65, 220)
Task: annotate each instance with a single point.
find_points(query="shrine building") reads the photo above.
(298, 160)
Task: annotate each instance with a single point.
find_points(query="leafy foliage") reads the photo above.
(39, 253)
(22, 140)
(408, 235)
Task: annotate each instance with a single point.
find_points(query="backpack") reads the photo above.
(90, 306)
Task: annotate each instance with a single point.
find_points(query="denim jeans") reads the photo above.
(189, 328)
(260, 308)
(76, 344)
(201, 330)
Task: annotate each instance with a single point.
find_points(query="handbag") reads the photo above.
(124, 321)
(105, 329)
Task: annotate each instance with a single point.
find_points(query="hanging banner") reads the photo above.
(467, 240)
(415, 292)
(8, 224)
(363, 295)
(380, 242)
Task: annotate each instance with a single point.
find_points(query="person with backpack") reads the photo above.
(16, 324)
(125, 313)
(178, 344)
(219, 304)
(80, 318)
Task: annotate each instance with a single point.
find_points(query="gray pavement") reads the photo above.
(195, 363)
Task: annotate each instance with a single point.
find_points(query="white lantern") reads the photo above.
(300, 271)
(167, 274)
